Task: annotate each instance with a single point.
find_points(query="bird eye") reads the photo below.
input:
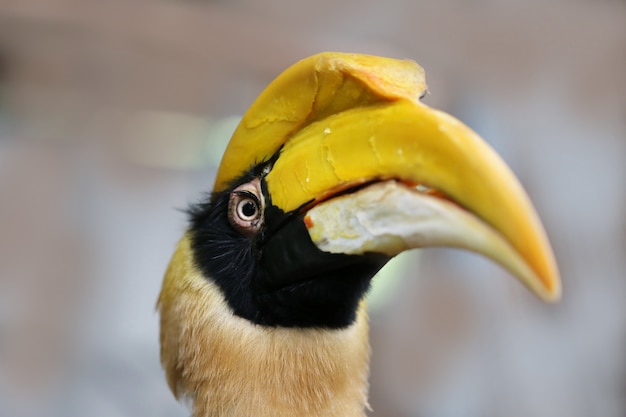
(245, 209)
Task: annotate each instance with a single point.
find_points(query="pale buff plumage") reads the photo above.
(230, 367)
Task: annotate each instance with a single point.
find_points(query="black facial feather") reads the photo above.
(221, 252)
(277, 277)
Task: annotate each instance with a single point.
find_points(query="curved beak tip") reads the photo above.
(391, 217)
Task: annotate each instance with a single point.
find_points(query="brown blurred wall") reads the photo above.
(104, 107)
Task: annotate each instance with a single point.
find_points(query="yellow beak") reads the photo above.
(334, 121)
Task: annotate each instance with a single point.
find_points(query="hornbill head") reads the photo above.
(334, 169)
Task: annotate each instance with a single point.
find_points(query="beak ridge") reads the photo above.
(311, 90)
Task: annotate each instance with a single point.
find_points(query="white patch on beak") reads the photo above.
(389, 217)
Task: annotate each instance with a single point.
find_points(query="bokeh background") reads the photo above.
(114, 114)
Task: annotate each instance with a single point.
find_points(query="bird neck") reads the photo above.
(230, 367)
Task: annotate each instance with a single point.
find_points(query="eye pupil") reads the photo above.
(248, 209)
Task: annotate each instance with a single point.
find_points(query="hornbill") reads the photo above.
(334, 169)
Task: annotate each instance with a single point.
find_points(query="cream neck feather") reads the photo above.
(230, 367)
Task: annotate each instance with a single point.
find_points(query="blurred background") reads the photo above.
(114, 115)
